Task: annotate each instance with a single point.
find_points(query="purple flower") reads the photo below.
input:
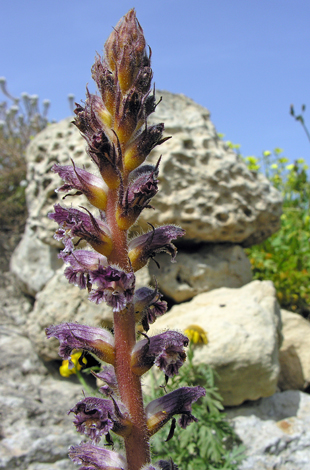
(115, 287)
(93, 457)
(107, 374)
(82, 262)
(95, 417)
(84, 182)
(159, 411)
(144, 247)
(141, 146)
(71, 336)
(148, 306)
(94, 121)
(75, 223)
(141, 189)
(166, 351)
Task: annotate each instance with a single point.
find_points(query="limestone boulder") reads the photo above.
(204, 186)
(58, 143)
(208, 267)
(244, 331)
(61, 302)
(33, 263)
(275, 431)
(294, 354)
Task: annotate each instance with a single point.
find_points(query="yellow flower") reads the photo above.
(196, 334)
(64, 368)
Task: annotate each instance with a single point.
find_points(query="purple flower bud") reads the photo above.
(159, 411)
(166, 351)
(144, 247)
(115, 287)
(71, 336)
(76, 223)
(98, 416)
(84, 182)
(105, 81)
(148, 306)
(125, 50)
(93, 457)
(139, 149)
(82, 262)
(141, 189)
(93, 122)
(129, 116)
(143, 81)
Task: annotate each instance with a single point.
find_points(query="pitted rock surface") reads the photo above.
(204, 186)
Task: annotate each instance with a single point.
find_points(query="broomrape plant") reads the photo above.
(114, 125)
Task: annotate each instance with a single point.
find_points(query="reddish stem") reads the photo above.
(137, 443)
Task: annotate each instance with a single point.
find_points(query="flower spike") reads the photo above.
(115, 125)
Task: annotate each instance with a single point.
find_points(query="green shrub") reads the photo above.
(284, 258)
(211, 445)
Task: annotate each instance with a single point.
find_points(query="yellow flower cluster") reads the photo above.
(196, 334)
(64, 369)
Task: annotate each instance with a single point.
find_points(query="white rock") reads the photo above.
(33, 263)
(35, 427)
(275, 431)
(244, 331)
(294, 354)
(210, 267)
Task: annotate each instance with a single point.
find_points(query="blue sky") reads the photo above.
(245, 60)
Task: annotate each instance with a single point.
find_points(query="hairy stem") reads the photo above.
(137, 442)
(137, 446)
(119, 254)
